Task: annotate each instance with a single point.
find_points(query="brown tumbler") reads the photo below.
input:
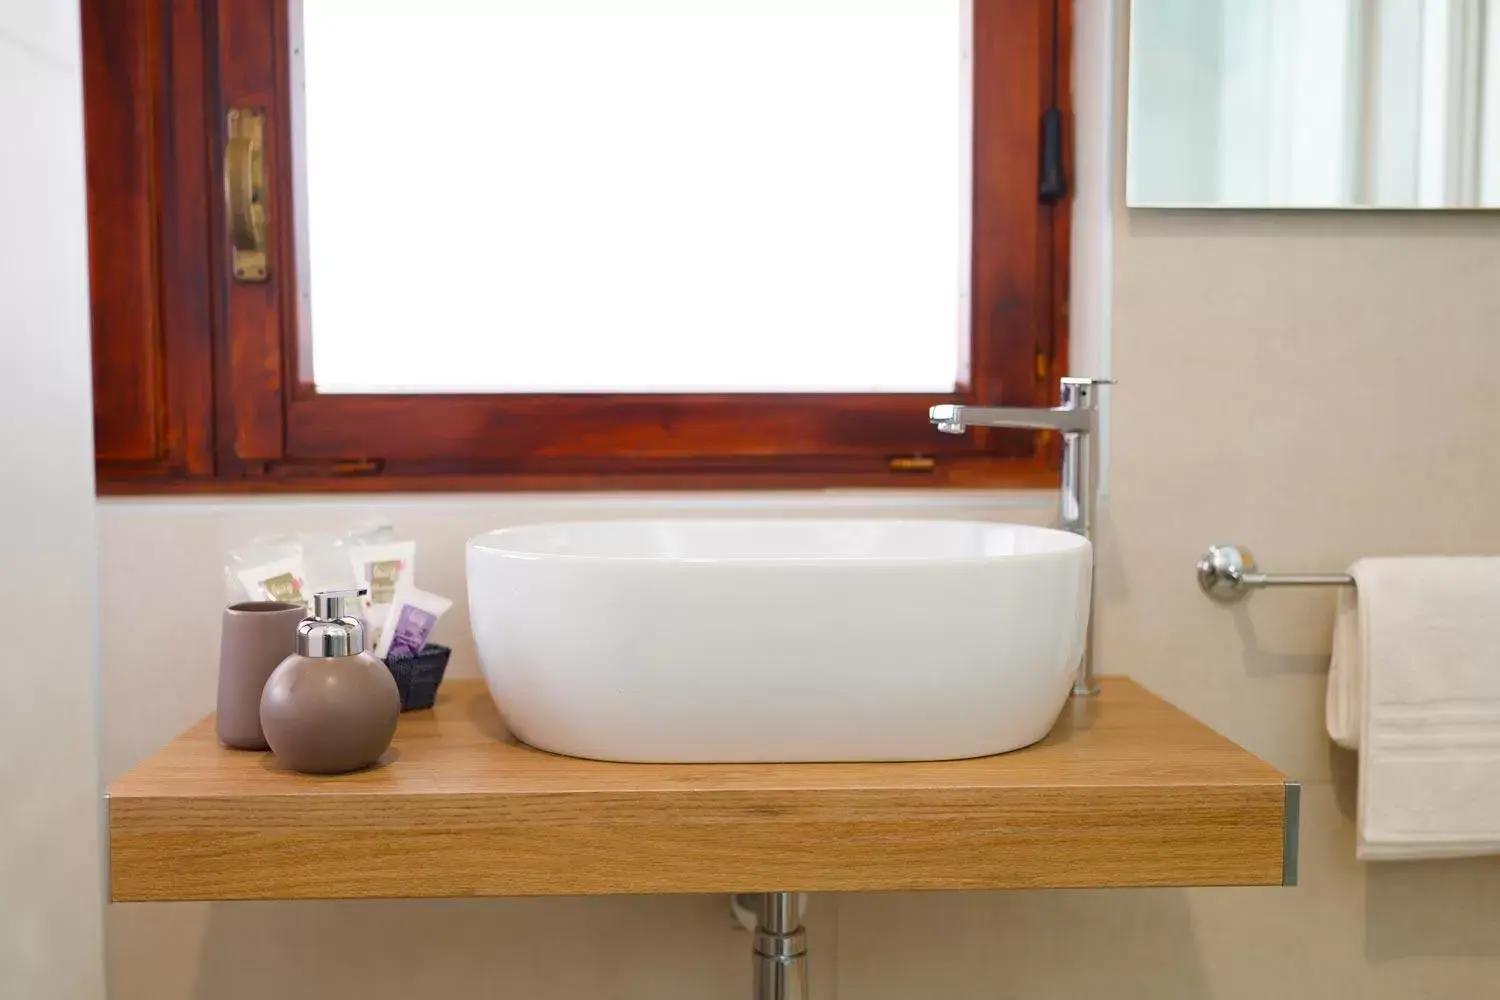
(257, 635)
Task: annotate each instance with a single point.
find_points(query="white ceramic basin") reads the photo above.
(776, 640)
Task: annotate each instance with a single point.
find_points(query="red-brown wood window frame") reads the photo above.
(203, 383)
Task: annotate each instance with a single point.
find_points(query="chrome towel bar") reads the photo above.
(1228, 573)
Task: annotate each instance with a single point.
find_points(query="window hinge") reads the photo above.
(1054, 182)
(913, 463)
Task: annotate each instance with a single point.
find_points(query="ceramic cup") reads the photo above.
(256, 637)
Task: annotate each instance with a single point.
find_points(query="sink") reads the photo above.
(779, 640)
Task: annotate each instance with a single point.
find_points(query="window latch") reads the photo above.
(245, 192)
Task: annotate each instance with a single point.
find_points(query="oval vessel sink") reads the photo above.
(779, 640)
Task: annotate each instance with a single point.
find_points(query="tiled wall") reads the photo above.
(1267, 366)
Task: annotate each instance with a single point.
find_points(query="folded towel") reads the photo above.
(1415, 687)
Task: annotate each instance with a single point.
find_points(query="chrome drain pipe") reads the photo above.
(780, 946)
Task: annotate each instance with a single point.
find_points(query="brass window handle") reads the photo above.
(245, 193)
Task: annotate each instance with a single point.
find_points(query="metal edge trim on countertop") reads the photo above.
(1291, 827)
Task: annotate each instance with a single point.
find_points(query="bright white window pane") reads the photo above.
(637, 195)
(1489, 103)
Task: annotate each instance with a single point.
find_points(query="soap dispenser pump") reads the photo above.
(330, 707)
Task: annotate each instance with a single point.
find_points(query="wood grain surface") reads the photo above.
(1125, 791)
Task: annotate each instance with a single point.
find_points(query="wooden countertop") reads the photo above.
(1125, 791)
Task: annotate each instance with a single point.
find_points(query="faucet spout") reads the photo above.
(1077, 419)
(955, 419)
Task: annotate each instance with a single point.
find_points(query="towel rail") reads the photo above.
(1228, 573)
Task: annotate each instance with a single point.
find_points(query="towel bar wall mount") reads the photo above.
(1227, 573)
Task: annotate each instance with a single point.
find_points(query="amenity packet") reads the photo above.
(383, 569)
(414, 614)
(267, 569)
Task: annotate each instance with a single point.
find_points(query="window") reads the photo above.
(345, 244)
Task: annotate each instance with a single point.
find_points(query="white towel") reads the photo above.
(1415, 687)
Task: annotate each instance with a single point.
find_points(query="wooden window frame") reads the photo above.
(202, 383)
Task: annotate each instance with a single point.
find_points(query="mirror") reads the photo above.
(1314, 104)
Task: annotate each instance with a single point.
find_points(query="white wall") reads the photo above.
(50, 855)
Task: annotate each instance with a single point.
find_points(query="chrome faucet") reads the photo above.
(1078, 421)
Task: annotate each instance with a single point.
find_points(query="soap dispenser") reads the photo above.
(330, 707)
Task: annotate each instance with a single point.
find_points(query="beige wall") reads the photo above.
(51, 925)
(1263, 360)
(1267, 365)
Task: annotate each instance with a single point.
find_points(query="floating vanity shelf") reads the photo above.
(1126, 791)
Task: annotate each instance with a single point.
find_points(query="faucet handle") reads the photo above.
(1078, 393)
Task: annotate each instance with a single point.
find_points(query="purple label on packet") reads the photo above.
(413, 626)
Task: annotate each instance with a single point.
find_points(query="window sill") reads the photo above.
(944, 474)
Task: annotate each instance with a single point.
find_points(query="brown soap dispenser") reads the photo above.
(330, 707)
